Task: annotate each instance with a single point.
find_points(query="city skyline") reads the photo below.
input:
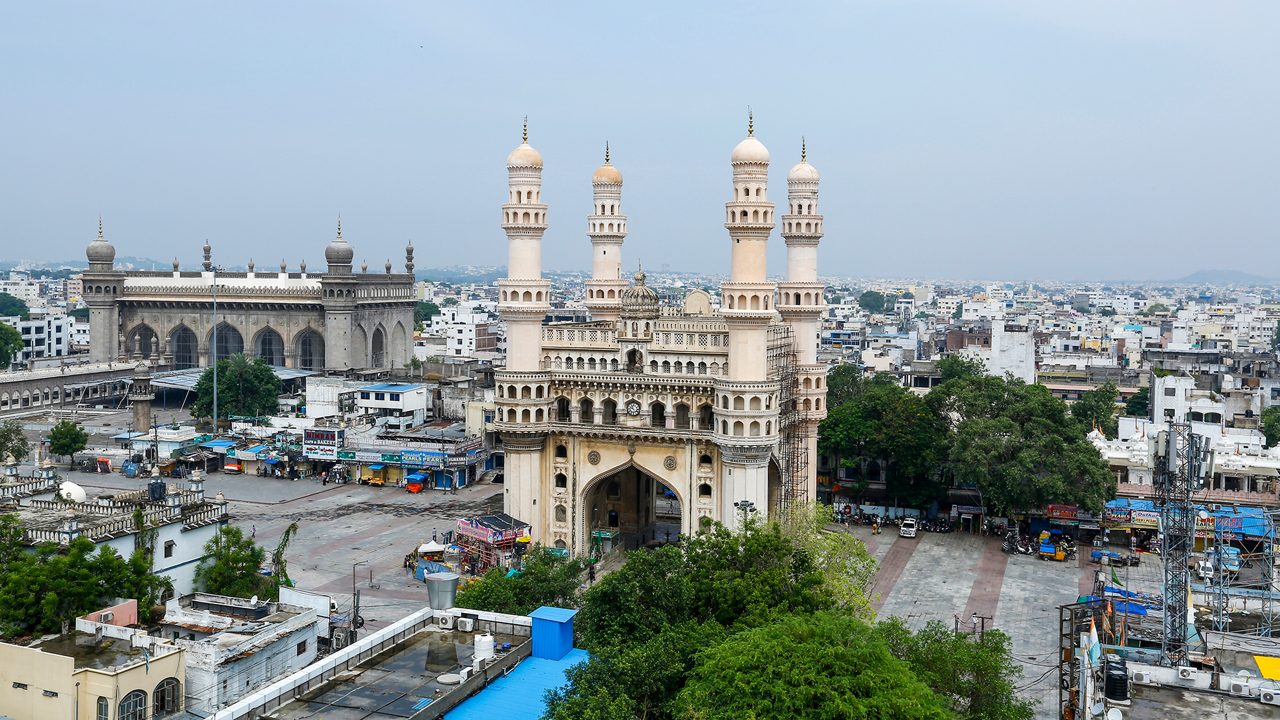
(1116, 133)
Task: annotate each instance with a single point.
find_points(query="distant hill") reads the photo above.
(1224, 277)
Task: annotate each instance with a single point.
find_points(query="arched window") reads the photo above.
(133, 706)
(562, 452)
(704, 491)
(706, 420)
(526, 392)
(104, 709)
(666, 367)
(270, 347)
(562, 481)
(609, 412)
(586, 411)
(682, 416)
(755, 428)
(755, 402)
(739, 403)
(525, 415)
(737, 428)
(562, 514)
(167, 698)
(657, 415)
(704, 459)
(538, 392)
(562, 409)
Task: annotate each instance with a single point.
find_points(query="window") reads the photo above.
(302, 648)
(395, 396)
(364, 396)
(133, 706)
(19, 686)
(169, 545)
(562, 481)
(167, 698)
(104, 708)
(704, 490)
(379, 396)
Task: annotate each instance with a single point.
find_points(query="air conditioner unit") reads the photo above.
(1270, 697)
(1186, 673)
(446, 622)
(1239, 689)
(106, 617)
(1142, 677)
(466, 624)
(339, 640)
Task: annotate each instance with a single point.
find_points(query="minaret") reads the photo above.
(747, 431)
(801, 304)
(607, 227)
(342, 348)
(523, 400)
(103, 285)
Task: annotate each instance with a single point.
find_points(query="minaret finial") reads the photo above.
(524, 131)
(751, 123)
(339, 226)
(803, 150)
(99, 226)
(606, 152)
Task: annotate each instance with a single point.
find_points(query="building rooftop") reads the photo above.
(394, 387)
(90, 651)
(1166, 703)
(521, 693)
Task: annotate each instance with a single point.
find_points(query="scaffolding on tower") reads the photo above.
(793, 459)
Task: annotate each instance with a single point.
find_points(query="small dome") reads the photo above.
(100, 251)
(803, 171)
(640, 300)
(607, 173)
(524, 156)
(72, 492)
(750, 150)
(339, 252)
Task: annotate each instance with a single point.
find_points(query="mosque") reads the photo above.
(333, 320)
(652, 421)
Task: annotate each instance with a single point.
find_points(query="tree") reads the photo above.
(872, 301)
(823, 665)
(10, 344)
(231, 564)
(954, 367)
(1107, 312)
(844, 383)
(450, 301)
(1138, 404)
(246, 387)
(80, 313)
(1097, 408)
(1271, 425)
(66, 439)
(974, 674)
(959, 312)
(11, 306)
(424, 311)
(545, 578)
(13, 441)
(1156, 308)
(848, 569)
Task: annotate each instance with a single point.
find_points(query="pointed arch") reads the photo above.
(230, 341)
(269, 347)
(359, 351)
(378, 347)
(140, 341)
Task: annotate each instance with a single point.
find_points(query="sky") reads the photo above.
(958, 139)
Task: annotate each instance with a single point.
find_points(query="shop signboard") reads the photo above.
(1144, 519)
(1061, 512)
(1116, 516)
(422, 458)
(323, 436)
(319, 452)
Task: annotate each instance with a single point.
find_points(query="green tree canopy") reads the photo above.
(10, 345)
(1155, 308)
(424, 311)
(975, 675)
(1271, 425)
(954, 366)
(66, 439)
(245, 387)
(844, 383)
(13, 441)
(42, 589)
(231, 564)
(1097, 408)
(873, 301)
(545, 578)
(821, 665)
(1138, 404)
(80, 313)
(11, 306)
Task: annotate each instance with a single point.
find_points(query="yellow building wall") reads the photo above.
(40, 672)
(114, 686)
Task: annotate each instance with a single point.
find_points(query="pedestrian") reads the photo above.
(591, 574)
(253, 533)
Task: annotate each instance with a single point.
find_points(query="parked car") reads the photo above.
(908, 528)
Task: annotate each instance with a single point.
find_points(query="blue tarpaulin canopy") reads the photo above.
(218, 444)
(257, 449)
(271, 461)
(416, 476)
(376, 467)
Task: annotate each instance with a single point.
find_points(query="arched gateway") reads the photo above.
(631, 506)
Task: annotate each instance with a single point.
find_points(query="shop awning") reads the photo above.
(419, 477)
(256, 449)
(271, 461)
(218, 444)
(377, 467)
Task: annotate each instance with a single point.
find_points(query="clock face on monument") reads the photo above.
(633, 408)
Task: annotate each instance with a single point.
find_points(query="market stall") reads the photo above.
(489, 540)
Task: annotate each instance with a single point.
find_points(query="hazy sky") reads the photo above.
(975, 138)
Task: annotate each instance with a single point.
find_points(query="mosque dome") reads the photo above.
(339, 252)
(803, 172)
(640, 300)
(100, 251)
(607, 173)
(750, 150)
(524, 156)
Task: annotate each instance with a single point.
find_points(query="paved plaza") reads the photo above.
(942, 576)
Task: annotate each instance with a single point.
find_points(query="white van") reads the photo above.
(908, 528)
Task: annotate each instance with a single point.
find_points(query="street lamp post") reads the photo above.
(213, 350)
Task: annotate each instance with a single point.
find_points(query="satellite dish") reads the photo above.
(254, 599)
(1115, 714)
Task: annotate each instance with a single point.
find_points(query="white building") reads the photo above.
(466, 329)
(395, 405)
(42, 336)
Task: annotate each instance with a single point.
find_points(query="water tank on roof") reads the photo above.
(1116, 684)
(484, 646)
(442, 589)
(156, 490)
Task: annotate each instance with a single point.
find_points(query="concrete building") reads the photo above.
(43, 336)
(599, 419)
(335, 320)
(398, 406)
(93, 676)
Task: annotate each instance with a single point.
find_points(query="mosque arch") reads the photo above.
(378, 348)
(184, 348)
(140, 341)
(359, 347)
(399, 346)
(269, 347)
(229, 341)
(309, 350)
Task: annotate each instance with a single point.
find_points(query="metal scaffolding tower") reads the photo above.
(1245, 572)
(793, 460)
(1181, 460)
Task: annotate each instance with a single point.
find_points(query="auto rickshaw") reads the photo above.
(1051, 546)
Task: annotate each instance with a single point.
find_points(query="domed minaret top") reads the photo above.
(750, 151)
(101, 253)
(408, 258)
(524, 155)
(803, 172)
(607, 173)
(339, 254)
(640, 301)
(208, 257)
